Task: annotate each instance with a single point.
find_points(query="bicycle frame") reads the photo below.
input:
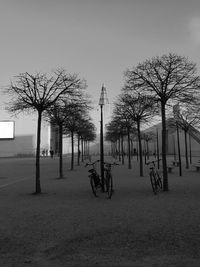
(108, 177)
(95, 180)
(155, 178)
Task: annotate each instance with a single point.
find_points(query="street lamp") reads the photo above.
(102, 101)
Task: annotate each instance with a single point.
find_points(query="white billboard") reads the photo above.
(7, 129)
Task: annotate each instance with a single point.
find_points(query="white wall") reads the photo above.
(20, 145)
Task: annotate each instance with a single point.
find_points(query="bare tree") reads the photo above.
(75, 111)
(38, 92)
(148, 136)
(60, 112)
(86, 132)
(165, 78)
(57, 116)
(187, 118)
(126, 122)
(113, 135)
(140, 108)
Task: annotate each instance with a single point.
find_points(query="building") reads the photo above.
(18, 139)
(19, 146)
(193, 139)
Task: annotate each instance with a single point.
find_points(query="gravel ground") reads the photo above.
(67, 226)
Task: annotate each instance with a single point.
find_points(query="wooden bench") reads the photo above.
(170, 168)
(197, 165)
(175, 163)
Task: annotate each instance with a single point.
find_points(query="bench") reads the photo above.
(170, 168)
(197, 166)
(175, 163)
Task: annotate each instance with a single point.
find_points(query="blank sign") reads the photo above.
(7, 129)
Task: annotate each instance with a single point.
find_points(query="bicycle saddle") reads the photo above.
(91, 170)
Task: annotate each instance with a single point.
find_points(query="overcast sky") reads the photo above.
(99, 39)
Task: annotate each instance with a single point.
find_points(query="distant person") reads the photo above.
(51, 152)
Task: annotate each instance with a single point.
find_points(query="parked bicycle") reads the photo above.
(108, 178)
(96, 180)
(155, 177)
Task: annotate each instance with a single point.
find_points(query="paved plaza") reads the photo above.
(67, 226)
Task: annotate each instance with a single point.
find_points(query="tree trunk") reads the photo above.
(122, 149)
(174, 147)
(37, 180)
(129, 149)
(190, 149)
(115, 149)
(145, 152)
(119, 150)
(158, 151)
(131, 144)
(140, 148)
(78, 153)
(179, 150)
(186, 150)
(60, 150)
(147, 143)
(154, 144)
(112, 149)
(72, 144)
(88, 149)
(164, 159)
(82, 150)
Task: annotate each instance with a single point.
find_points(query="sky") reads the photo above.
(98, 39)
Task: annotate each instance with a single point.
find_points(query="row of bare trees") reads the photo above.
(71, 118)
(186, 119)
(152, 88)
(59, 98)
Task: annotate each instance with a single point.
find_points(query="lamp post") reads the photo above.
(177, 118)
(102, 102)
(179, 151)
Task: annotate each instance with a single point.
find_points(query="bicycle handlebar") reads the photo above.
(108, 163)
(92, 163)
(153, 161)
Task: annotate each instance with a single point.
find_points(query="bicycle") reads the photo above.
(108, 178)
(96, 181)
(155, 178)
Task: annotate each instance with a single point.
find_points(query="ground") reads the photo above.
(67, 226)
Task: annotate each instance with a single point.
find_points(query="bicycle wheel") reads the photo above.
(159, 180)
(93, 185)
(109, 185)
(153, 183)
